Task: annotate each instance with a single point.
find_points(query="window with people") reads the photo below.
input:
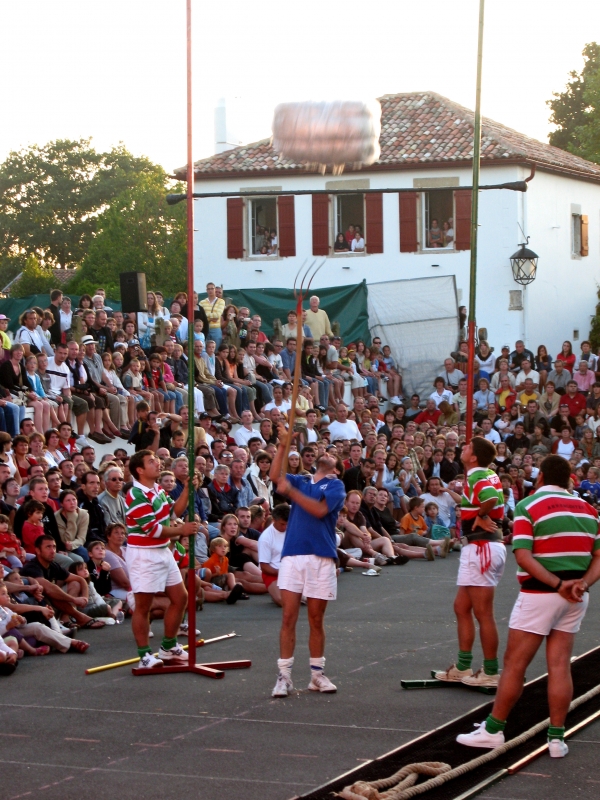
(262, 225)
(437, 209)
(349, 223)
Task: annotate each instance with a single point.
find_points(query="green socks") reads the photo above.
(556, 733)
(493, 725)
(465, 659)
(490, 666)
(143, 650)
(167, 644)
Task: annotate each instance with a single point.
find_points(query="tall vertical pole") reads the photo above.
(474, 218)
(190, 308)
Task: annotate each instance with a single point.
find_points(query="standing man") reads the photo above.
(481, 566)
(213, 307)
(557, 547)
(150, 563)
(317, 319)
(308, 562)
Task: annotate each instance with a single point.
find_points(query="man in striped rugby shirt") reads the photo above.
(557, 546)
(150, 562)
(482, 561)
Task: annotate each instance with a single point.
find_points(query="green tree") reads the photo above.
(51, 197)
(35, 279)
(579, 104)
(139, 232)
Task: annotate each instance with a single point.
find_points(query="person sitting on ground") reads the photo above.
(218, 564)
(270, 545)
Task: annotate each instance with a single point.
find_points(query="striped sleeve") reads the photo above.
(141, 515)
(484, 491)
(522, 529)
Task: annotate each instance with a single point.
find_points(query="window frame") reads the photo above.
(250, 228)
(333, 227)
(423, 228)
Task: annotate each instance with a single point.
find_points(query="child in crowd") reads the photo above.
(413, 521)
(97, 606)
(198, 335)
(11, 550)
(218, 564)
(591, 484)
(33, 525)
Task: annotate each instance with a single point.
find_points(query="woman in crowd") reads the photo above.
(567, 356)
(23, 461)
(487, 360)
(11, 491)
(483, 398)
(85, 303)
(126, 416)
(543, 364)
(341, 245)
(52, 452)
(448, 416)
(13, 377)
(549, 401)
(505, 395)
(258, 477)
(72, 523)
(48, 407)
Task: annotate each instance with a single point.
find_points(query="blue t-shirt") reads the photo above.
(305, 534)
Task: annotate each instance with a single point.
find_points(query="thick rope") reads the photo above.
(369, 789)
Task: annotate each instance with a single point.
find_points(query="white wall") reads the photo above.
(551, 313)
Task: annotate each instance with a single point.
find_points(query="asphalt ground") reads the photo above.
(67, 735)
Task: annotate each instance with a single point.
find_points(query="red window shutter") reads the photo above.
(374, 215)
(462, 221)
(409, 238)
(320, 224)
(235, 227)
(287, 225)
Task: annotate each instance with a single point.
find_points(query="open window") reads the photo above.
(349, 216)
(579, 235)
(262, 226)
(437, 216)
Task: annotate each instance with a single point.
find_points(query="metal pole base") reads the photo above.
(214, 669)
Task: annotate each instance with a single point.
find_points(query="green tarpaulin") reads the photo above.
(344, 304)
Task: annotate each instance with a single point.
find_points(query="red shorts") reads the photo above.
(268, 579)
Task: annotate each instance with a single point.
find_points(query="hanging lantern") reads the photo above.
(328, 133)
(524, 265)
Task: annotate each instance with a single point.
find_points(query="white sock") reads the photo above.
(285, 665)
(317, 664)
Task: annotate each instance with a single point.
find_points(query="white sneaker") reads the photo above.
(149, 661)
(557, 748)
(283, 686)
(453, 674)
(321, 683)
(184, 629)
(395, 400)
(481, 679)
(176, 655)
(481, 738)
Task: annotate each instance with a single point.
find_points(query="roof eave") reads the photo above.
(404, 167)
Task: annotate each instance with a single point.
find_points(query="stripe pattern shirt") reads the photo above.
(148, 513)
(561, 531)
(480, 486)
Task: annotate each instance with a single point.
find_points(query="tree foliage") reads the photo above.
(576, 110)
(51, 197)
(35, 279)
(139, 232)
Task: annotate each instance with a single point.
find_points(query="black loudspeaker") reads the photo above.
(133, 291)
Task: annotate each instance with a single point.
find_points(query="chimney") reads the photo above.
(225, 136)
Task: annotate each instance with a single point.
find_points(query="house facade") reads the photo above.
(425, 165)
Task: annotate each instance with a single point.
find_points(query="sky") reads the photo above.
(114, 70)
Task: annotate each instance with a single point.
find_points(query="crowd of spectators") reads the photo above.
(73, 377)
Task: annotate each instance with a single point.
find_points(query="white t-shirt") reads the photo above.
(444, 502)
(565, 449)
(358, 244)
(270, 545)
(284, 407)
(492, 436)
(59, 376)
(445, 395)
(242, 436)
(311, 435)
(535, 377)
(344, 430)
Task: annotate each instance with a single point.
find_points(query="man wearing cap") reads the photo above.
(4, 337)
(95, 370)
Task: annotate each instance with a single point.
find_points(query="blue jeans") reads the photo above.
(221, 396)
(13, 415)
(216, 334)
(265, 391)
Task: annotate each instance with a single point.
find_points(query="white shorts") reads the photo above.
(469, 570)
(312, 576)
(542, 612)
(151, 569)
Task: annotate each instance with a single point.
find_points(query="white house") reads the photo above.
(426, 143)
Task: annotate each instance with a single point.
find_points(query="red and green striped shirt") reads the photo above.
(561, 531)
(480, 486)
(148, 512)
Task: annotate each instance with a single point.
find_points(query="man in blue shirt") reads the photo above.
(308, 562)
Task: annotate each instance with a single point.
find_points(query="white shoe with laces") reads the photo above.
(175, 655)
(481, 679)
(481, 737)
(283, 686)
(150, 661)
(453, 674)
(557, 748)
(184, 630)
(319, 682)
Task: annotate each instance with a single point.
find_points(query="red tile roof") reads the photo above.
(418, 129)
